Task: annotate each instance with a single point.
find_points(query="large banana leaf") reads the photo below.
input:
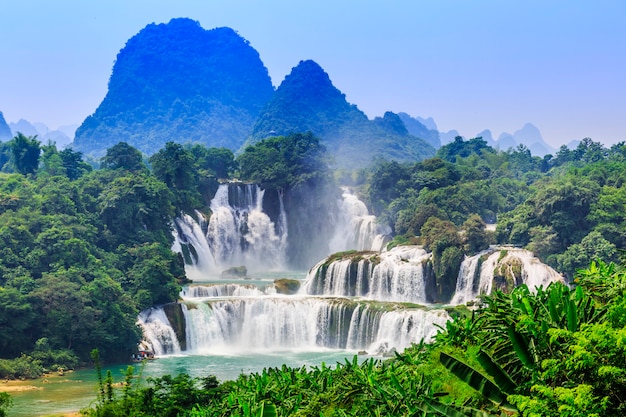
(266, 410)
(499, 375)
(473, 378)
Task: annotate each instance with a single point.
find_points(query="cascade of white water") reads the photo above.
(399, 329)
(532, 272)
(465, 291)
(238, 232)
(274, 323)
(356, 228)
(394, 275)
(225, 290)
(158, 331)
(535, 273)
(192, 235)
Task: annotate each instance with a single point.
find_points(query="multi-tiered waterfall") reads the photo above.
(359, 299)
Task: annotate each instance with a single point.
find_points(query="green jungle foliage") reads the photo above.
(569, 209)
(558, 352)
(179, 82)
(285, 162)
(82, 251)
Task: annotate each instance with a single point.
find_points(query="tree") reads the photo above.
(220, 161)
(285, 161)
(475, 234)
(175, 166)
(123, 156)
(136, 209)
(73, 163)
(25, 151)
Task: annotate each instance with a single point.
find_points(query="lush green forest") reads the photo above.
(568, 208)
(83, 249)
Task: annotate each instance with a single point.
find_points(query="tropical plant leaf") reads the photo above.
(499, 375)
(473, 378)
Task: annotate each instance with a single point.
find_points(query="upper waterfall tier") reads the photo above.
(248, 227)
(356, 228)
(502, 268)
(239, 232)
(404, 274)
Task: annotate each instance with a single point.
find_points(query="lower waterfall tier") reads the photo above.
(275, 323)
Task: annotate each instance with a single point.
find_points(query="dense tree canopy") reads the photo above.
(78, 249)
(285, 161)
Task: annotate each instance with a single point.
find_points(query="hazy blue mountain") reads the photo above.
(23, 126)
(69, 130)
(416, 126)
(60, 138)
(528, 136)
(179, 82)
(5, 130)
(448, 137)
(428, 122)
(307, 100)
(487, 137)
(506, 141)
(43, 133)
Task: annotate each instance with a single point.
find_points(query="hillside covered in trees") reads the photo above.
(179, 82)
(307, 101)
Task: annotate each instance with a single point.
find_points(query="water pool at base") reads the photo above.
(76, 390)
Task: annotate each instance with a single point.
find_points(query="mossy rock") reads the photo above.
(508, 274)
(287, 286)
(174, 313)
(235, 272)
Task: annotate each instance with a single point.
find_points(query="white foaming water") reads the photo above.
(394, 275)
(158, 331)
(356, 228)
(225, 290)
(237, 233)
(302, 323)
(471, 283)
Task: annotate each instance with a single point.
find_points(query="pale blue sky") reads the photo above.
(471, 65)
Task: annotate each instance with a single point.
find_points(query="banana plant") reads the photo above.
(496, 389)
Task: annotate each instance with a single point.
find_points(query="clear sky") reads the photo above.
(471, 65)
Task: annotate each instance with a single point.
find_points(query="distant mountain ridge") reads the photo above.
(307, 100)
(61, 136)
(179, 82)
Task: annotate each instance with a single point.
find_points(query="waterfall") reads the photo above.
(158, 331)
(394, 275)
(356, 228)
(225, 290)
(275, 323)
(505, 266)
(238, 232)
